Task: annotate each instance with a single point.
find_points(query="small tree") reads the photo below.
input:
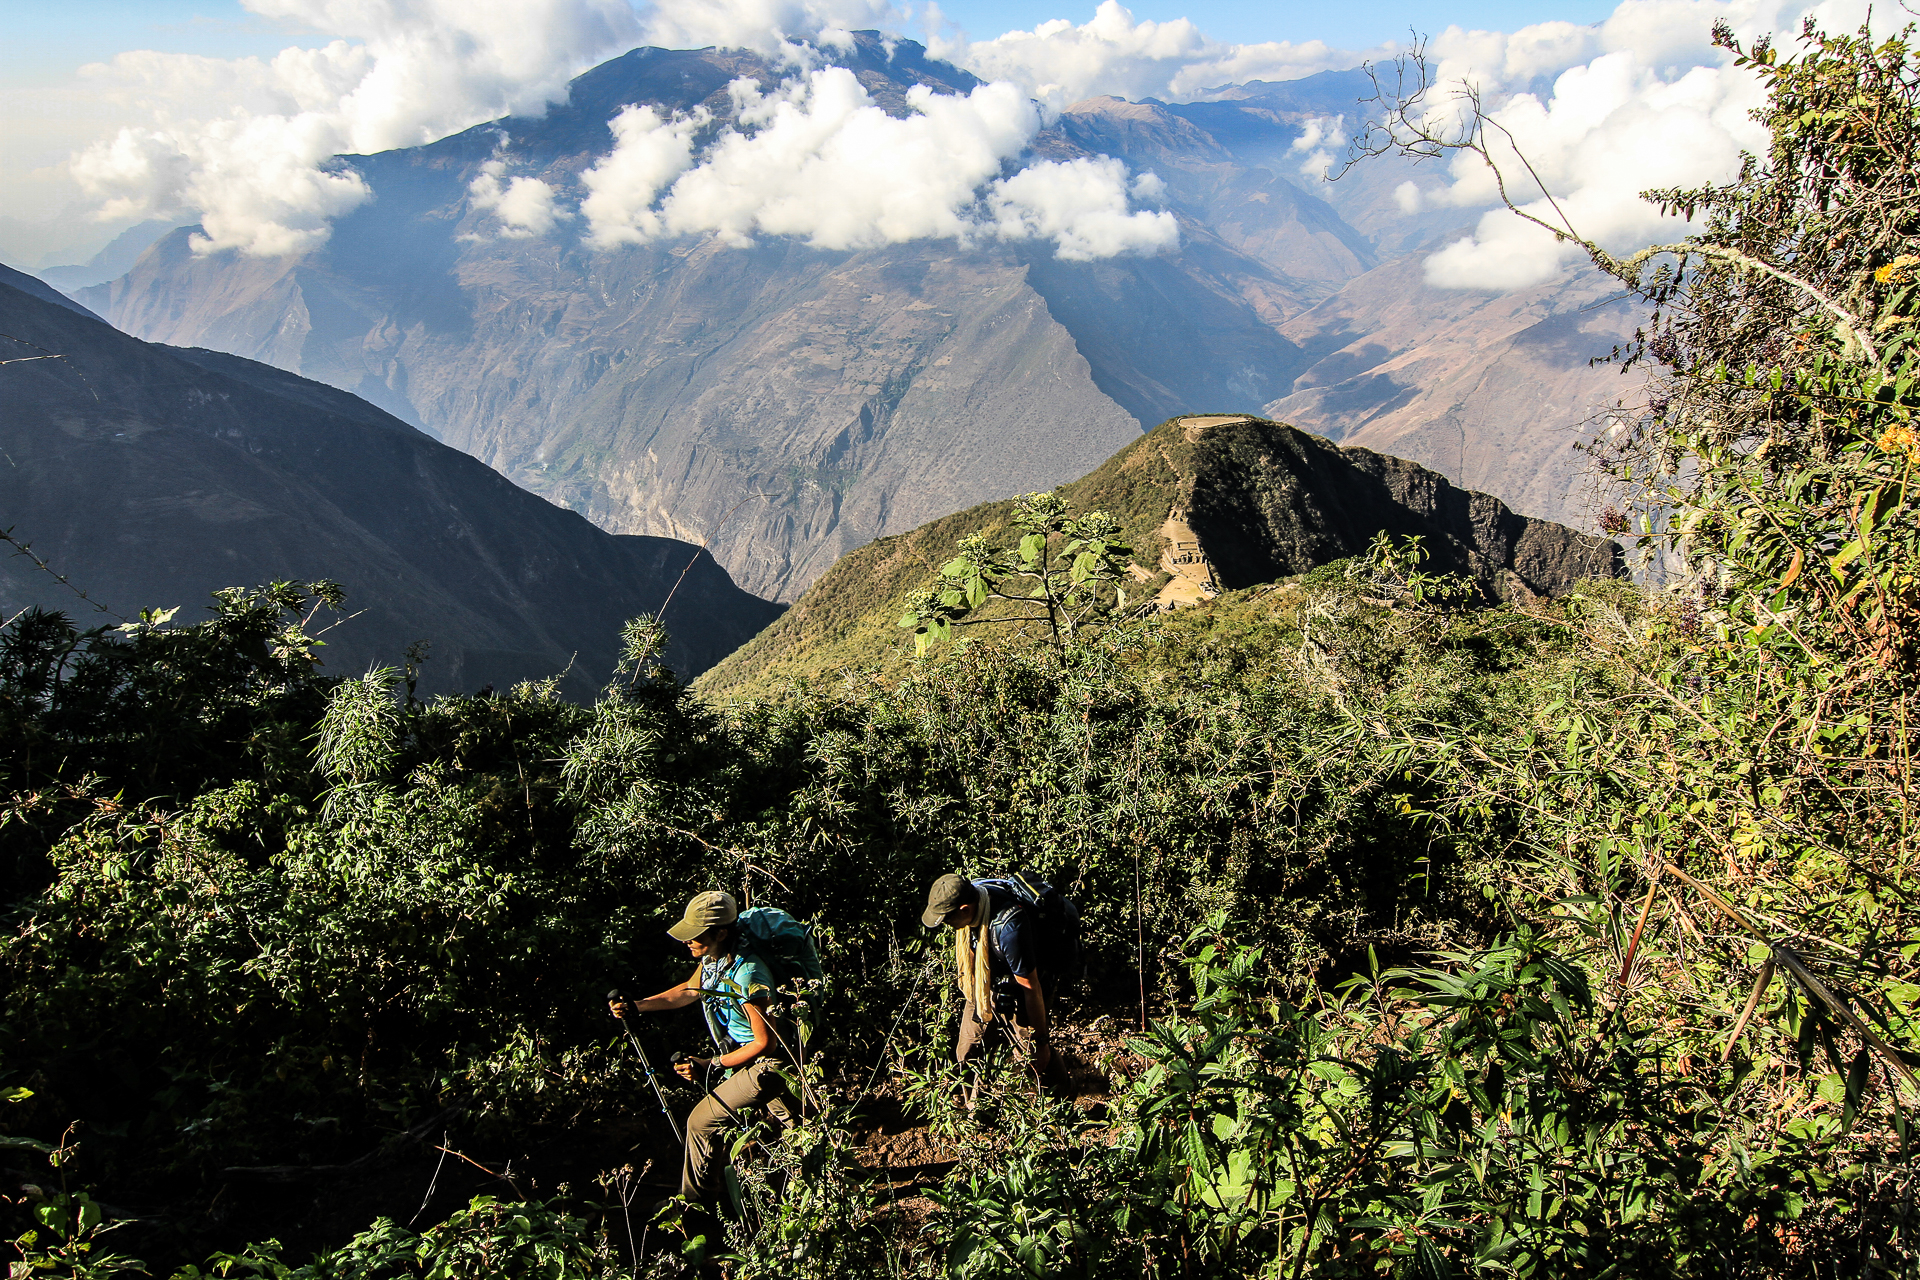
(1065, 571)
(1393, 569)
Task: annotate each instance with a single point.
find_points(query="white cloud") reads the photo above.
(1081, 206)
(1314, 140)
(1638, 102)
(525, 207)
(648, 154)
(818, 160)
(248, 144)
(1060, 63)
(830, 166)
(783, 28)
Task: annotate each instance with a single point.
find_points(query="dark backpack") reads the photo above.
(1057, 926)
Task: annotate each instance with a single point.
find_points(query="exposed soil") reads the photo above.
(909, 1159)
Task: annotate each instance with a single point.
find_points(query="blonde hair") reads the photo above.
(973, 958)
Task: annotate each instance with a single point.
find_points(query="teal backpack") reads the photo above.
(781, 943)
(778, 941)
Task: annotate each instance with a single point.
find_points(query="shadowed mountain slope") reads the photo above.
(1209, 503)
(152, 476)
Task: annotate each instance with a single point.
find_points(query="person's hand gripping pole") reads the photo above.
(625, 1014)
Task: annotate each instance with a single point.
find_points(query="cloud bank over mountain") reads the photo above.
(247, 146)
(1640, 102)
(818, 160)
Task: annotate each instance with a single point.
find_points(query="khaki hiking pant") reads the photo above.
(757, 1083)
(978, 1037)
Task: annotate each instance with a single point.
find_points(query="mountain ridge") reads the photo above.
(843, 394)
(1209, 503)
(153, 476)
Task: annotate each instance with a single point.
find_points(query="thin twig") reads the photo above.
(735, 854)
(1753, 1002)
(48, 355)
(432, 1183)
(712, 534)
(1848, 1016)
(26, 549)
(886, 1044)
(482, 1168)
(1626, 966)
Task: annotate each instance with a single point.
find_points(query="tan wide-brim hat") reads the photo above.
(706, 911)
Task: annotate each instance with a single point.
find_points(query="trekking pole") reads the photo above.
(652, 1079)
(1139, 934)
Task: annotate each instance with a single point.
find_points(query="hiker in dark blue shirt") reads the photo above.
(997, 955)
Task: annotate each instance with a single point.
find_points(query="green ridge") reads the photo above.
(1265, 501)
(847, 619)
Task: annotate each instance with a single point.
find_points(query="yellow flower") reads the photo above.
(1899, 271)
(1901, 438)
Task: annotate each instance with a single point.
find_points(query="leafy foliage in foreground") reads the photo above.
(405, 913)
(415, 929)
(1575, 941)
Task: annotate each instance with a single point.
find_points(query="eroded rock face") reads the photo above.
(1267, 500)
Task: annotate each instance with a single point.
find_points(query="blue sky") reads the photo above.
(47, 39)
(1349, 25)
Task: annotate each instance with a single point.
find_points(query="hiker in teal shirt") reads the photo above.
(740, 986)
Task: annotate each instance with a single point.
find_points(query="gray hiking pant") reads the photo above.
(755, 1084)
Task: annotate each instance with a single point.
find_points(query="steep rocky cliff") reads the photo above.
(1209, 503)
(152, 476)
